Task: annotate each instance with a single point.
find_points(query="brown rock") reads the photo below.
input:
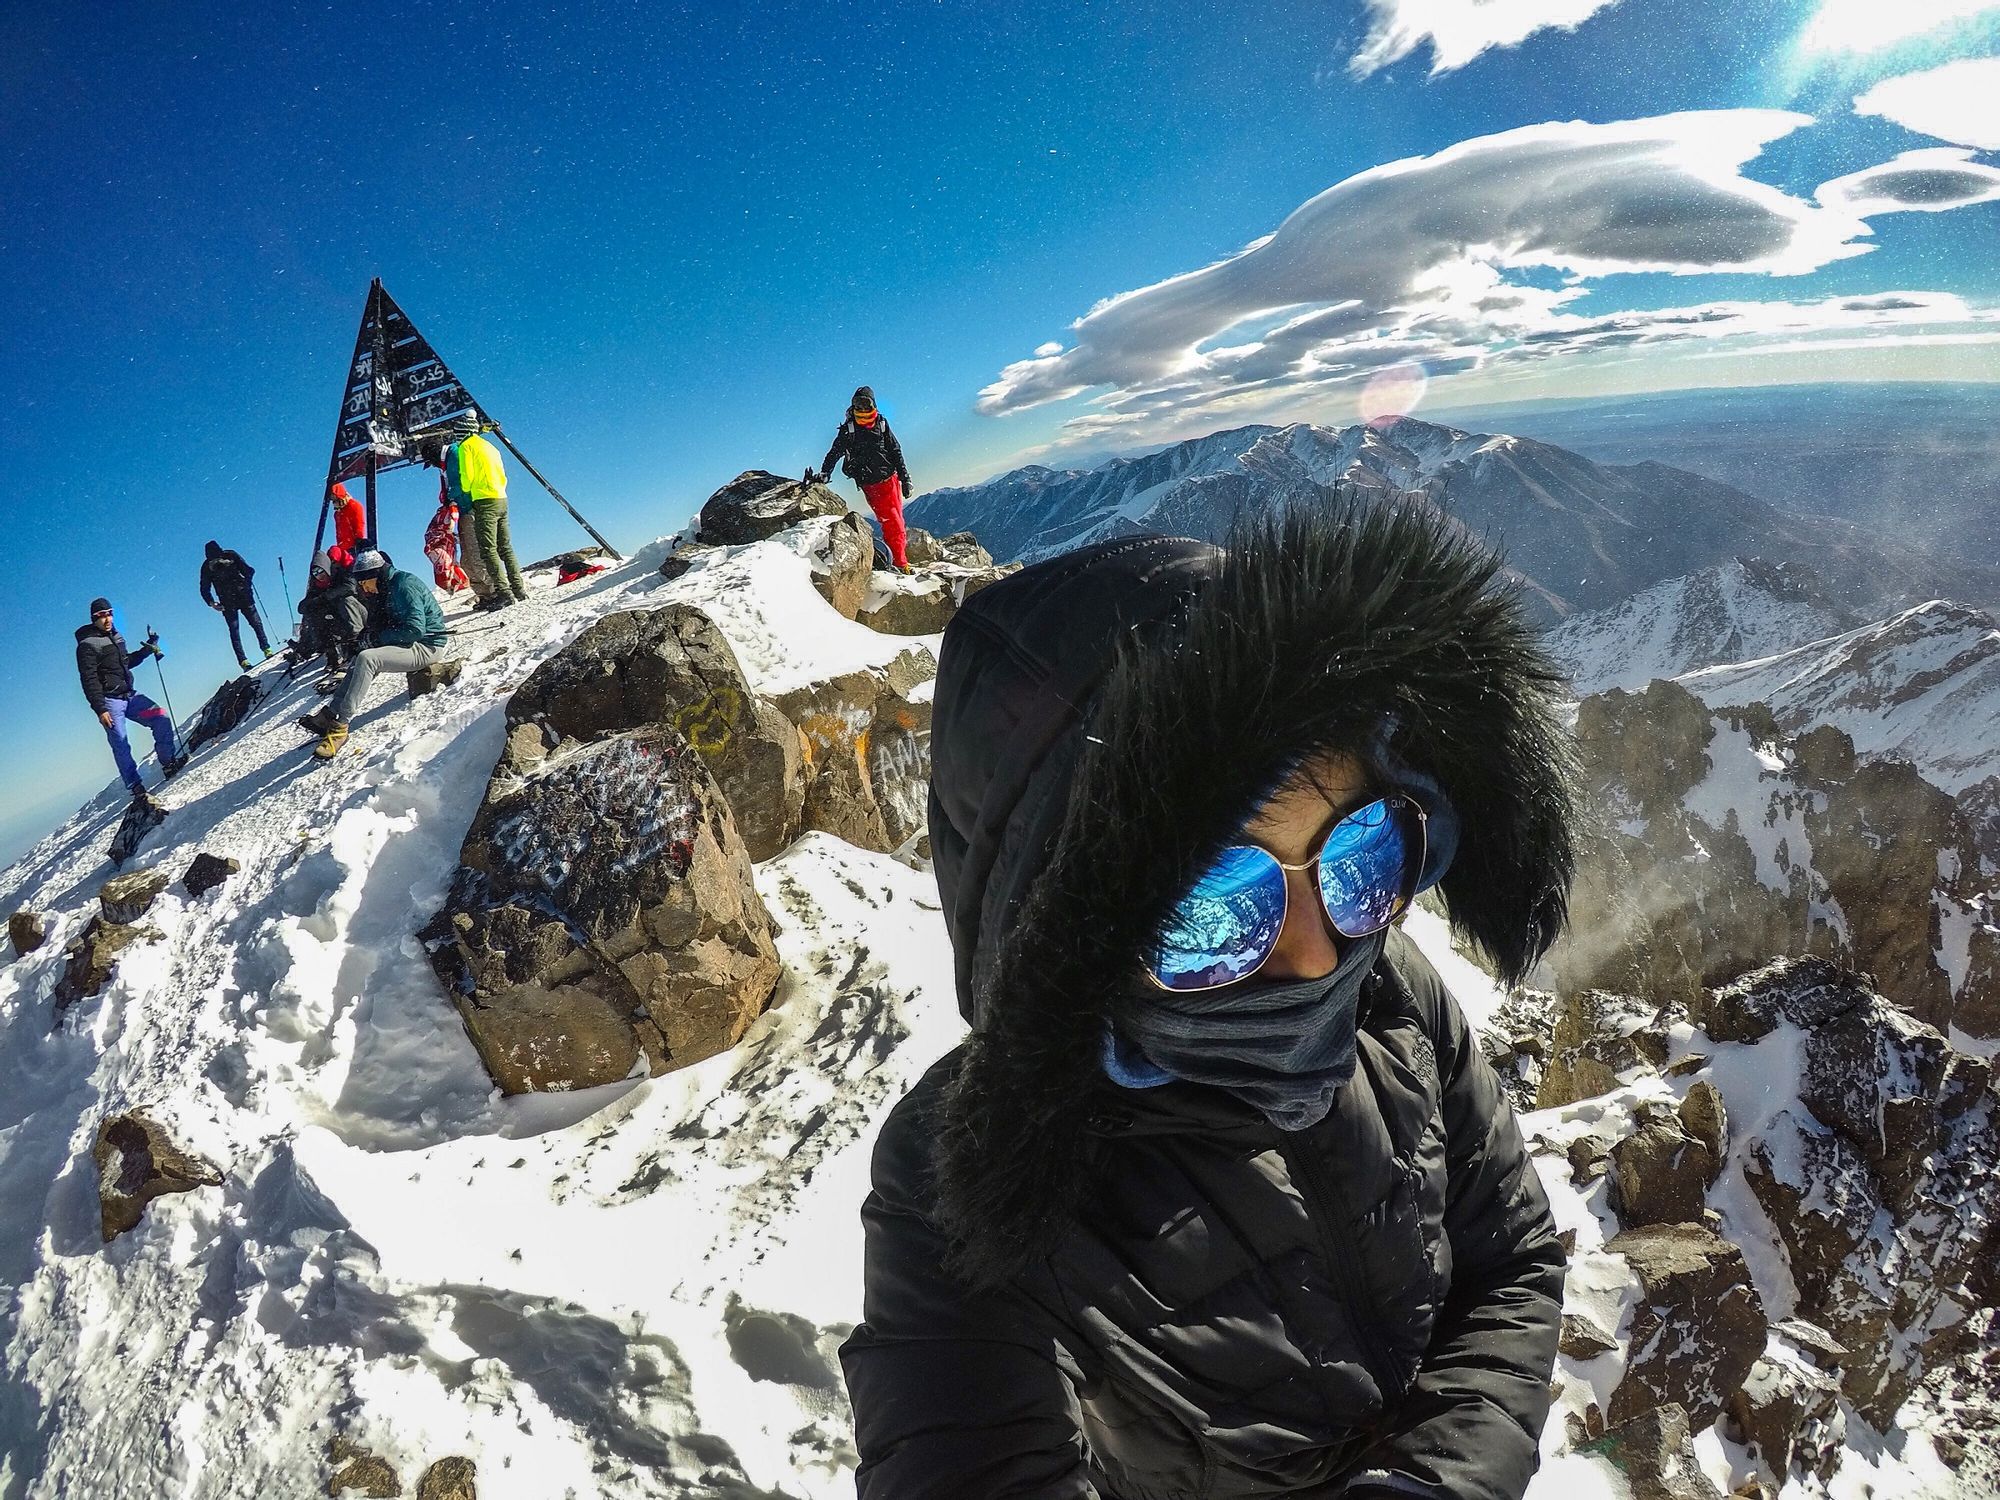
(361, 1472)
(921, 604)
(136, 1163)
(604, 907)
(842, 560)
(1703, 1116)
(448, 1479)
(1698, 1325)
(757, 504)
(1783, 1397)
(1598, 1035)
(682, 559)
(1660, 1175)
(28, 930)
(438, 674)
(93, 957)
(673, 666)
(1654, 1451)
(127, 898)
(963, 548)
(205, 872)
(1583, 1339)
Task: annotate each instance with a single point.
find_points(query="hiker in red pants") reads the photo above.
(870, 455)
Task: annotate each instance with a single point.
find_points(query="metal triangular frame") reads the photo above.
(399, 391)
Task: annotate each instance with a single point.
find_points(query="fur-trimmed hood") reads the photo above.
(1105, 721)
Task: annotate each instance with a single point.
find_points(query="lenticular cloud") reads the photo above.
(1460, 30)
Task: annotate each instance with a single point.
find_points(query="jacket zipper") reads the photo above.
(1316, 1192)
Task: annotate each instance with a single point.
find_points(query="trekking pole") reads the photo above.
(289, 611)
(158, 657)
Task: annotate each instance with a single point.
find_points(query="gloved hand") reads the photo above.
(152, 638)
(216, 607)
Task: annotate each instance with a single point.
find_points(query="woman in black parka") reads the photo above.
(1218, 1200)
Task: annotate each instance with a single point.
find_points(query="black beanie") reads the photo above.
(98, 606)
(862, 393)
(215, 549)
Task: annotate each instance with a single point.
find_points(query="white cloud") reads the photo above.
(1475, 260)
(1865, 25)
(1459, 30)
(1928, 181)
(1959, 102)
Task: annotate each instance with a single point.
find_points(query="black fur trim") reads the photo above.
(1318, 624)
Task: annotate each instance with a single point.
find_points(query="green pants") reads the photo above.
(496, 551)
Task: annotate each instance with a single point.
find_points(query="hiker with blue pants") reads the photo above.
(104, 667)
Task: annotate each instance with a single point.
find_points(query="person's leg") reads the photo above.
(504, 545)
(157, 719)
(486, 527)
(257, 624)
(128, 770)
(235, 634)
(886, 500)
(469, 556)
(367, 664)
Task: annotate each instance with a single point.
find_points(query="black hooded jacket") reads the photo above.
(1077, 1290)
(103, 665)
(225, 578)
(868, 455)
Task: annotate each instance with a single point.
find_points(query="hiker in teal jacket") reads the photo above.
(409, 634)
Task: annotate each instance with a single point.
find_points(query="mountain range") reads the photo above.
(1580, 535)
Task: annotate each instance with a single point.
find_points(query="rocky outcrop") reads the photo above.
(27, 930)
(449, 1479)
(93, 957)
(357, 1471)
(680, 562)
(137, 1162)
(867, 741)
(207, 871)
(1788, 1405)
(1718, 844)
(1661, 1173)
(841, 553)
(670, 666)
(1654, 1454)
(1878, 1178)
(603, 912)
(961, 548)
(756, 504)
(142, 816)
(127, 898)
(924, 602)
(1697, 1327)
(1598, 1036)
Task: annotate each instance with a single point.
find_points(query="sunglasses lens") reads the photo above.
(1226, 926)
(1366, 867)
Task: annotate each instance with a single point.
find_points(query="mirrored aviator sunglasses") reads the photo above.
(1223, 930)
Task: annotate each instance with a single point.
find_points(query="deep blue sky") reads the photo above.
(663, 243)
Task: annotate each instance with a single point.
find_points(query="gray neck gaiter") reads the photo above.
(1285, 1047)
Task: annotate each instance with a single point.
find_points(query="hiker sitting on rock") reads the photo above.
(333, 622)
(870, 455)
(104, 667)
(1220, 1196)
(410, 632)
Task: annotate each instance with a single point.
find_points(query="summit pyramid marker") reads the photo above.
(400, 391)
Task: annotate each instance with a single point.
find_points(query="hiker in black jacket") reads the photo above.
(226, 585)
(870, 455)
(1219, 1198)
(104, 668)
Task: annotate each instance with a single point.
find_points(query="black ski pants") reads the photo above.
(248, 609)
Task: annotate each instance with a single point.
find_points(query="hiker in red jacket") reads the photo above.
(870, 455)
(350, 521)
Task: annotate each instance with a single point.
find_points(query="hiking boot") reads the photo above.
(330, 742)
(242, 663)
(319, 721)
(329, 684)
(268, 653)
(494, 605)
(172, 768)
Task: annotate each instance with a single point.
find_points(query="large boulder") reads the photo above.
(924, 602)
(604, 910)
(841, 553)
(449, 1479)
(1697, 1327)
(867, 738)
(28, 930)
(93, 957)
(137, 1162)
(672, 666)
(756, 504)
(1598, 1037)
(127, 898)
(1660, 1174)
(1787, 1407)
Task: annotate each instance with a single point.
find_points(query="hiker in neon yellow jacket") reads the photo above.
(476, 481)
